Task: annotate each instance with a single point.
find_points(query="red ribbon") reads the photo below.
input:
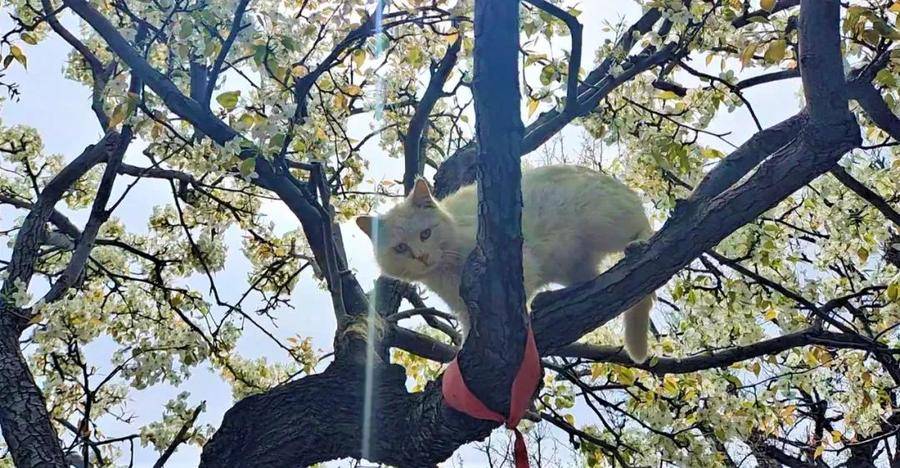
(458, 396)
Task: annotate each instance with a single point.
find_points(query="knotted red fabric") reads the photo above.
(458, 396)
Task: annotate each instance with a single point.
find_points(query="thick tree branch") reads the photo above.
(23, 415)
(878, 111)
(867, 194)
(574, 66)
(28, 241)
(820, 63)
(412, 144)
(24, 419)
(99, 215)
(492, 283)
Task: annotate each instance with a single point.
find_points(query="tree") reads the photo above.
(777, 335)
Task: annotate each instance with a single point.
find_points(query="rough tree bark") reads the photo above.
(26, 426)
(493, 281)
(27, 430)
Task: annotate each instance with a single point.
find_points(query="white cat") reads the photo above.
(572, 217)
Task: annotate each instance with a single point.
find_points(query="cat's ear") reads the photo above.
(366, 223)
(420, 195)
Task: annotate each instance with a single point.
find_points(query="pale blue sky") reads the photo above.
(60, 110)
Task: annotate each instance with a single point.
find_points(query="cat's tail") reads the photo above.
(637, 325)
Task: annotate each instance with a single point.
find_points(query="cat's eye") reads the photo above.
(401, 247)
(424, 235)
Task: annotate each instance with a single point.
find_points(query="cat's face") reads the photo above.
(414, 238)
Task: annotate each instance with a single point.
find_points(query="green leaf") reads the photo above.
(414, 56)
(548, 74)
(185, 29)
(886, 78)
(776, 51)
(259, 54)
(247, 167)
(229, 99)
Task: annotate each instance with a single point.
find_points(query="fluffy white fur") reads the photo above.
(572, 218)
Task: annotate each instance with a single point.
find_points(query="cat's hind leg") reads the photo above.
(636, 319)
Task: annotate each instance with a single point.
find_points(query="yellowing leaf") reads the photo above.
(895, 8)
(299, 70)
(339, 101)
(120, 113)
(17, 53)
(771, 314)
(893, 291)
(353, 90)
(666, 95)
(711, 153)
(818, 453)
(451, 38)
(767, 5)
(28, 38)
(359, 57)
(670, 384)
(755, 368)
(532, 106)
(787, 414)
(776, 51)
(229, 99)
(810, 358)
(863, 254)
(747, 54)
(626, 375)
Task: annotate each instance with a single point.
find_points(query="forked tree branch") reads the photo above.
(574, 65)
(418, 125)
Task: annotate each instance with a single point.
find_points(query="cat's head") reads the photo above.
(414, 238)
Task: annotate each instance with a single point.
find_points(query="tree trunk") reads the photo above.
(31, 438)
